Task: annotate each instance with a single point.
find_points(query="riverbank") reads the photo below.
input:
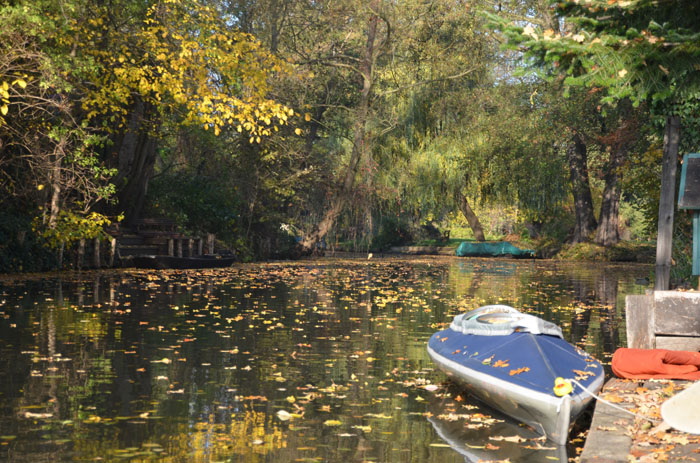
(625, 251)
(619, 437)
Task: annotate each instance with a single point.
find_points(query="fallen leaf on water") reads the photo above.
(284, 415)
(37, 415)
(519, 370)
(508, 438)
(332, 423)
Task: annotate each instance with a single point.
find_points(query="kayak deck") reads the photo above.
(516, 373)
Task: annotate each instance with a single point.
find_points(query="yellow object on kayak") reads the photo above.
(562, 387)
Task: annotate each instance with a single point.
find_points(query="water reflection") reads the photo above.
(493, 437)
(315, 361)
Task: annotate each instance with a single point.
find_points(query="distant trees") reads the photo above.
(85, 89)
(258, 117)
(641, 50)
(50, 168)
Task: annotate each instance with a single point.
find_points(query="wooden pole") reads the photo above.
(60, 255)
(112, 251)
(81, 252)
(664, 240)
(96, 253)
(210, 243)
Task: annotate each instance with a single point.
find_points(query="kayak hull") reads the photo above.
(515, 374)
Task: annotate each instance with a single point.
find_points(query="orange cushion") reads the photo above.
(656, 364)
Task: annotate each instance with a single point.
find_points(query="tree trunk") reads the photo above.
(667, 199)
(135, 158)
(471, 217)
(56, 190)
(360, 139)
(583, 203)
(607, 233)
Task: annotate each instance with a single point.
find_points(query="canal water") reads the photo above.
(319, 360)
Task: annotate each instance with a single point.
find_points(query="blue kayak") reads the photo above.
(520, 365)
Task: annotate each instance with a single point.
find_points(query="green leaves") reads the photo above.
(635, 49)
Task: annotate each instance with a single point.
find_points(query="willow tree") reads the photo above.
(366, 57)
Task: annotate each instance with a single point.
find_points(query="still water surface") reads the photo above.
(320, 360)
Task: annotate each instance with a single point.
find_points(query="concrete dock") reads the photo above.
(616, 436)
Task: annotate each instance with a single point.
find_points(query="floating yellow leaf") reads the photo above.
(332, 423)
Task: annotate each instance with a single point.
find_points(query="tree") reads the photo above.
(581, 188)
(49, 160)
(173, 59)
(644, 50)
(366, 68)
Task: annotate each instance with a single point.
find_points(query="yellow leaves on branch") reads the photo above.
(5, 87)
(185, 58)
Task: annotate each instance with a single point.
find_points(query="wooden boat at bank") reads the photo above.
(520, 365)
(175, 262)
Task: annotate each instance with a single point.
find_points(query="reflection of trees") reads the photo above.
(117, 327)
(606, 291)
(584, 298)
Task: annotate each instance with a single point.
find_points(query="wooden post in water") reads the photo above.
(179, 248)
(171, 247)
(81, 253)
(200, 246)
(210, 243)
(190, 247)
(96, 252)
(61, 248)
(112, 251)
